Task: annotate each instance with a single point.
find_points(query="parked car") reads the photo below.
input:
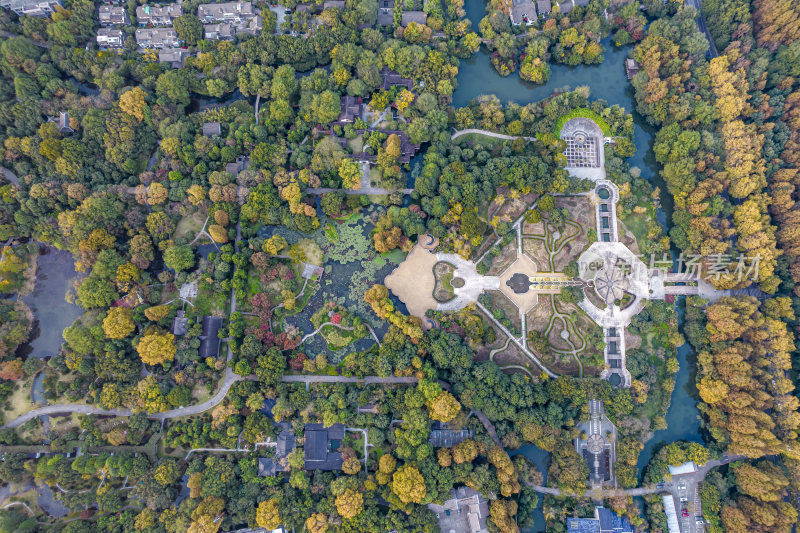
(684, 512)
(684, 499)
(699, 520)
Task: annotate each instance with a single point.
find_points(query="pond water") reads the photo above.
(52, 313)
(541, 459)
(344, 283)
(476, 77)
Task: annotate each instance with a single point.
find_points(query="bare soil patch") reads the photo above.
(533, 229)
(500, 301)
(413, 281)
(554, 338)
(581, 209)
(539, 316)
(627, 237)
(632, 342)
(504, 260)
(534, 248)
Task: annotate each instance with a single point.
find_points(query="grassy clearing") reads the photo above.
(638, 226)
(312, 251)
(189, 226)
(20, 400)
(583, 112)
(209, 302)
(357, 144)
(200, 393)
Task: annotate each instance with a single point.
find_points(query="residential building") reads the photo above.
(604, 521)
(223, 21)
(110, 38)
(157, 38)
(212, 129)
(180, 324)
(390, 78)
(228, 12)
(113, 16)
(420, 17)
(385, 12)
(523, 12)
(543, 7)
(333, 4)
(62, 122)
(174, 56)
(631, 68)
(215, 32)
(269, 466)
(465, 512)
(31, 8)
(209, 338)
(242, 162)
(320, 447)
(158, 15)
(350, 109)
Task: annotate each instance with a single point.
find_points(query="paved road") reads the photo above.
(368, 380)
(361, 190)
(35, 43)
(10, 176)
(227, 382)
(488, 133)
(701, 24)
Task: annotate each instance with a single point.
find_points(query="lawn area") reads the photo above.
(374, 176)
(20, 400)
(585, 113)
(189, 226)
(483, 140)
(200, 393)
(337, 338)
(638, 226)
(209, 302)
(357, 144)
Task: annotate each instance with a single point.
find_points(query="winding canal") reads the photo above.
(477, 77)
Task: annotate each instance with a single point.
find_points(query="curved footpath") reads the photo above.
(488, 133)
(228, 381)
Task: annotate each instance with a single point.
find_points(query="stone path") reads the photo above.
(359, 191)
(488, 133)
(10, 176)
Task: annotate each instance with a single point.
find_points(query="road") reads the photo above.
(703, 27)
(10, 176)
(35, 43)
(360, 190)
(488, 133)
(227, 382)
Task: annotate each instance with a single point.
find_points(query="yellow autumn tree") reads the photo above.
(349, 503)
(157, 312)
(196, 194)
(408, 484)
(268, 515)
(132, 102)
(118, 323)
(444, 407)
(317, 523)
(156, 348)
(218, 233)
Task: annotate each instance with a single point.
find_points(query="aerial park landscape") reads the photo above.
(374, 266)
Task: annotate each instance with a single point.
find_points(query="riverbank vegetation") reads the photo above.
(725, 141)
